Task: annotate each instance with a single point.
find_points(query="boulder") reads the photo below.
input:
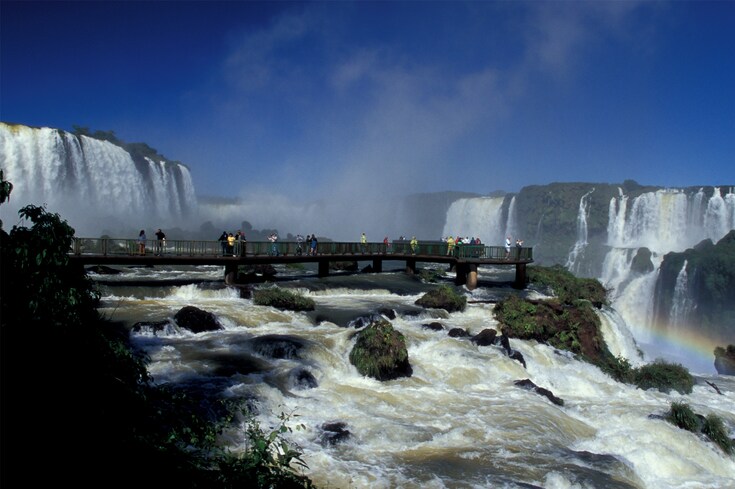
(458, 333)
(529, 385)
(154, 327)
(196, 320)
(433, 326)
(333, 433)
(300, 378)
(486, 337)
(277, 346)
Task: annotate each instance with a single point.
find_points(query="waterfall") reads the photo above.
(95, 185)
(682, 302)
(510, 225)
(662, 221)
(581, 243)
(479, 217)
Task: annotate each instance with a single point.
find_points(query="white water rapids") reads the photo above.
(458, 421)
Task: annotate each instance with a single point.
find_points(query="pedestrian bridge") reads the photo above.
(463, 259)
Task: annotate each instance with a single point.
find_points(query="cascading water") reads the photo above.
(682, 303)
(94, 185)
(480, 217)
(577, 251)
(661, 221)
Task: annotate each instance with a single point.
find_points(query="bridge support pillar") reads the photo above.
(461, 271)
(411, 267)
(323, 268)
(520, 282)
(230, 273)
(471, 276)
(377, 265)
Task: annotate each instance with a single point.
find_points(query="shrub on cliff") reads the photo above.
(282, 299)
(443, 297)
(380, 352)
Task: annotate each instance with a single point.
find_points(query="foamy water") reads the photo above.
(458, 421)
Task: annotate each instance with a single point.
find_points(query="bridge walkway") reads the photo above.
(464, 259)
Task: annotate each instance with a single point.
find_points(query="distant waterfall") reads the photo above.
(479, 217)
(95, 185)
(661, 221)
(581, 243)
(682, 302)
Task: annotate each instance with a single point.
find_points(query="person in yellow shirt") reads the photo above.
(414, 245)
(450, 245)
(231, 244)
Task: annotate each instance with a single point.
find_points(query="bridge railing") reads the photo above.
(126, 246)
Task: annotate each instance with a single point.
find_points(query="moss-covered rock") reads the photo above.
(380, 352)
(282, 299)
(575, 328)
(443, 297)
(567, 288)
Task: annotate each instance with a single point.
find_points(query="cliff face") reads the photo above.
(697, 287)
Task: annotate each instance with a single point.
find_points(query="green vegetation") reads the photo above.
(282, 299)
(380, 352)
(712, 426)
(429, 276)
(566, 287)
(570, 322)
(78, 401)
(682, 416)
(443, 297)
(663, 376)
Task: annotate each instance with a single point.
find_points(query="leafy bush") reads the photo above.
(682, 416)
(711, 426)
(664, 376)
(282, 299)
(267, 461)
(715, 431)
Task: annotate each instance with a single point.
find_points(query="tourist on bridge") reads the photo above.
(141, 242)
(450, 245)
(299, 243)
(363, 243)
(507, 247)
(223, 242)
(274, 248)
(386, 243)
(231, 244)
(240, 243)
(313, 245)
(414, 245)
(160, 242)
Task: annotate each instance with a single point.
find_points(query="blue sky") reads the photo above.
(308, 98)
